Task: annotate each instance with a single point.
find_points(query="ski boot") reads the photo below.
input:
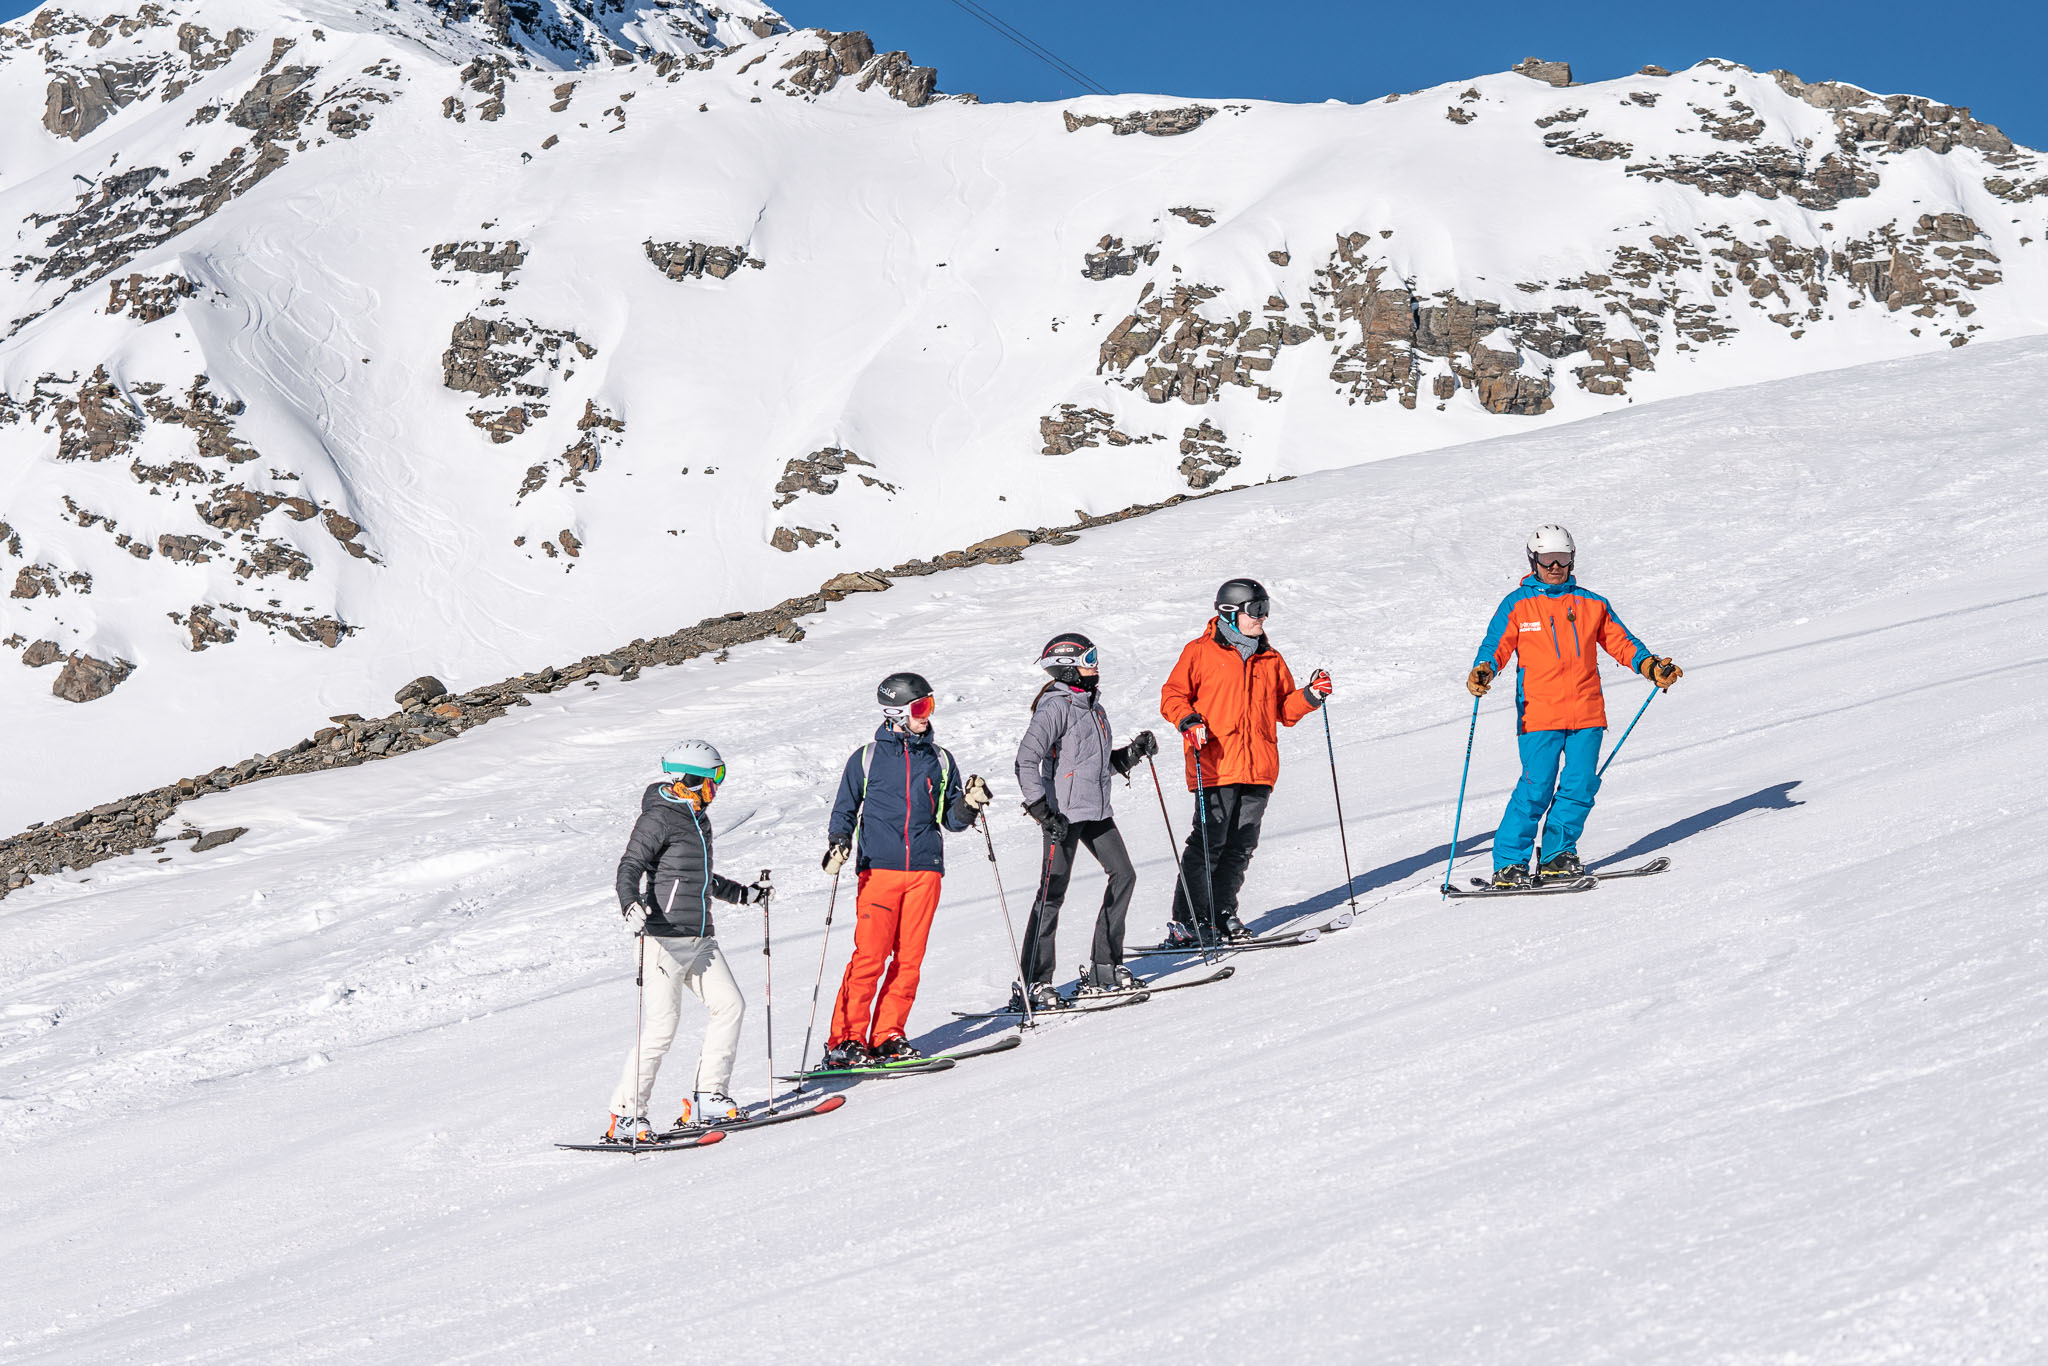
(708, 1108)
(1513, 878)
(1045, 997)
(898, 1049)
(1233, 930)
(1102, 979)
(1561, 867)
(849, 1054)
(629, 1129)
(1179, 936)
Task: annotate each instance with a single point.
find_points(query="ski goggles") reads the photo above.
(920, 709)
(1091, 658)
(1257, 607)
(1553, 562)
(688, 779)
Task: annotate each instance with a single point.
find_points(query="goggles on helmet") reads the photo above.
(920, 709)
(1553, 561)
(1091, 658)
(714, 777)
(1257, 607)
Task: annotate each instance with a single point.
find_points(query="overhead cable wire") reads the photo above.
(1030, 45)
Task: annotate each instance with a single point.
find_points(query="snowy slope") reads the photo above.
(1784, 1102)
(518, 343)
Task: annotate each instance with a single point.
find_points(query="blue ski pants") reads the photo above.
(1567, 803)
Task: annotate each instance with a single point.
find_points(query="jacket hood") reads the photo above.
(1570, 584)
(657, 795)
(885, 734)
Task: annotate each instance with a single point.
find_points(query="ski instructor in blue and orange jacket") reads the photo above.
(1550, 625)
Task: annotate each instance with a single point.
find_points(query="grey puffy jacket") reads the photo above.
(1066, 757)
(671, 842)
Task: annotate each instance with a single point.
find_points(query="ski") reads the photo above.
(760, 1121)
(1291, 939)
(1655, 865)
(916, 1067)
(1002, 1045)
(660, 1145)
(1482, 888)
(1154, 986)
(1087, 1006)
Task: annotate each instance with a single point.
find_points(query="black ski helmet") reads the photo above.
(898, 691)
(1065, 655)
(1243, 595)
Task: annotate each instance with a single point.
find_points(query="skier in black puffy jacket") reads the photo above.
(666, 884)
(1063, 770)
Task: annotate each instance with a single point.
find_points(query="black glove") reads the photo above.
(836, 855)
(757, 895)
(1142, 745)
(1055, 824)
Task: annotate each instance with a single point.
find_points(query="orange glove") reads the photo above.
(1662, 672)
(1480, 680)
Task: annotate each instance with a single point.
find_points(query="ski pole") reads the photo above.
(1457, 820)
(1625, 734)
(1179, 873)
(1342, 842)
(1008, 924)
(1208, 866)
(768, 984)
(803, 1062)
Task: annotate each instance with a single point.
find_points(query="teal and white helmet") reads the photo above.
(691, 762)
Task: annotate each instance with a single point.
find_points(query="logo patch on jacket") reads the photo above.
(1532, 626)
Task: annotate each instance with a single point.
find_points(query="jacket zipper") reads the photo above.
(703, 892)
(906, 808)
(1555, 648)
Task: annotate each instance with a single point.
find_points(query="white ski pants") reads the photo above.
(668, 966)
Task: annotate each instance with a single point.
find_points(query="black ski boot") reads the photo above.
(1179, 936)
(1098, 979)
(1561, 867)
(898, 1049)
(850, 1054)
(1234, 930)
(1513, 878)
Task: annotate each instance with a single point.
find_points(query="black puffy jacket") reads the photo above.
(671, 842)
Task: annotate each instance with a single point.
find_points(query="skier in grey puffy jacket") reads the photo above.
(1063, 769)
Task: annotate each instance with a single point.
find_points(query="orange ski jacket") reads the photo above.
(1552, 629)
(1241, 701)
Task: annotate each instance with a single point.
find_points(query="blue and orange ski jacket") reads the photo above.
(1552, 629)
(898, 792)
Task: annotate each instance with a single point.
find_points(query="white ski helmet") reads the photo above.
(1550, 540)
(689, 760)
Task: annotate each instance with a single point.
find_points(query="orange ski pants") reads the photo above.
(895, 918)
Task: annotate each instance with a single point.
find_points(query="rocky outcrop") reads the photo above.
(819, 473)
(1205, 455)
(86, 679)
(99, 423)
(147, 298)
(1070, 428)
(695, 260)
(1190, 354)
(478, 258)
(1550, 73)
(1109, 259)
(815, 71)
(78, 102)
(491, 356)
(1158, 123)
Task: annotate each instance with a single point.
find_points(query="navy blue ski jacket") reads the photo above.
(900, 790)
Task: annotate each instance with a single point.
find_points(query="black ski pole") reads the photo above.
(768, 982)
(1342, 841)
(1208, 865)
(1179, 873)
(803, 1062)
(1008, 924)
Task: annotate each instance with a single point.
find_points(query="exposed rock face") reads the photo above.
(425, 690)
(478, 258)
(1070, 428)
(1109, 259)
(40, 653)
(818, 472)
(1158, 123)
(816, 71)
(86, 679)
(147, 298)
(1191, 354)
(490, 356)
(695, 260)
(1205, 455)
(79, 102)
(101, 422)
(1550, 73)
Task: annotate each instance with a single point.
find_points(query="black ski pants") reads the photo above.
(1234, 812)
(1103, 841)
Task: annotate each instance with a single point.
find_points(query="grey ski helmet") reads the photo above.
(900, 694)
(692, 762)
(1066, 654)
(1243, 595)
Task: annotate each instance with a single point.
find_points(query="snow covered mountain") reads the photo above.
(350, 343)
(293, 1098)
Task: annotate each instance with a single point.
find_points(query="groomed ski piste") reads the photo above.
(297, 1098)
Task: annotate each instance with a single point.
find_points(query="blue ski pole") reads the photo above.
(1625, 734)
(1458, 820)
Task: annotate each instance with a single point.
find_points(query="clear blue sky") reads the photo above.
(1988, 55)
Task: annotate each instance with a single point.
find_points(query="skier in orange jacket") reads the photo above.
(1228, 693)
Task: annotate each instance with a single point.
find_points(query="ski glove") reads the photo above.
(1194, 733)
(1663, 672)
(1142, 746)
(1056, 825)
(1318, 689)
(636, 918)
(754, 894)
(976, 793)
(836, 855)
(1479, 680)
